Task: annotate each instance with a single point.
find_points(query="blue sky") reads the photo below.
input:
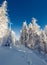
(21, 10)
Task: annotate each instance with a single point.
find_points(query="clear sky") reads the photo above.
(21, 10)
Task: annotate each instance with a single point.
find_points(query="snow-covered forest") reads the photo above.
(33, 36)
(30, 46)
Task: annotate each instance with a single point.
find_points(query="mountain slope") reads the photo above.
(19, 56)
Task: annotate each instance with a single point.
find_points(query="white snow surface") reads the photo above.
(19, 55)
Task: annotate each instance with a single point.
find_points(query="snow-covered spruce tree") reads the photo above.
(33, 30)
(9, 39)
(3, 20)
(43, 41)
(31, 40)
(35, 26)
(45, 29)
(24, 34)
(7, 36)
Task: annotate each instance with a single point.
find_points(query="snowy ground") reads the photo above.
(19, 55)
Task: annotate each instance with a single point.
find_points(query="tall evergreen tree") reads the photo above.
(24, 34)
(3, 19)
